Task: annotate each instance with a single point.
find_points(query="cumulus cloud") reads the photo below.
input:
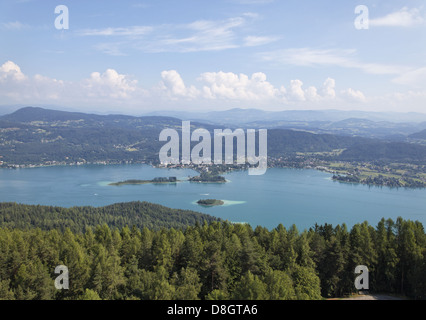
(355, 95)
(15, 85)
(312, 94)
(328, 88)
(229, 85)
(111, 88)
(109, 84)
(296, 90)
(173, 84)
(11, 71)
(98, 87)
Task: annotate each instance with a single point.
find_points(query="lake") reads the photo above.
(289, 196)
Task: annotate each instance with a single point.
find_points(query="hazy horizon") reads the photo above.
(232, 115)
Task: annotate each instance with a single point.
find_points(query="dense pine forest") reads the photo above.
(77, 219)
(205, 260)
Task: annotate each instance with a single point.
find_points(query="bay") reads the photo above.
(289, 196)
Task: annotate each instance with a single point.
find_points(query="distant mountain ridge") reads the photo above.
(42, 136)
(241, 116)
(419, 135)
(392, 126)
(31, 114)
(28, 114)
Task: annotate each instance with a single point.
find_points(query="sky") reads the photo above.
(135, 57)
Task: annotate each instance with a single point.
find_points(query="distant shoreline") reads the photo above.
(322, 167)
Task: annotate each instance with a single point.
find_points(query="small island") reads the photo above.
(210, 202)
(155, 180)
(207, 178)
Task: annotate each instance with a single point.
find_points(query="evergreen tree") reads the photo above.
(306, 283)
(279, 285)
(251, 287)
(187, 284)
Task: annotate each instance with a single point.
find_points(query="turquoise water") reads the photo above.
(287, 196)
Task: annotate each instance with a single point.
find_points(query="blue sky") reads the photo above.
(138, 56)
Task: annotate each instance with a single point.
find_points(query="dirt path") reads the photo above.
(372, 297)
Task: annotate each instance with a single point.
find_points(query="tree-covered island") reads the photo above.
(210, 202)
(208, 177)
(155, 180)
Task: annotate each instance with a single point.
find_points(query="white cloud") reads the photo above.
(200, 35)
(415, 78)
(133, 31)
(402, 18)
(296, 91)
(108, 90)
(111, 48)
(308, 57)
(18, 87)
(328, 88)
(312, 94)
(196, 36)
(355, 95)
(109, 84)
(15, 25)
(228, 85)
(399, 101)
(11, 71)
(173, 84)
(252, 41)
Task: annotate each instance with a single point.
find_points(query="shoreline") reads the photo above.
(199, 168)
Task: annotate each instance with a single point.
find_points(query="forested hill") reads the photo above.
(40, 116)
(393, 151)
(283, 142)
(42, 136)
(78, 219)
(419, 135)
